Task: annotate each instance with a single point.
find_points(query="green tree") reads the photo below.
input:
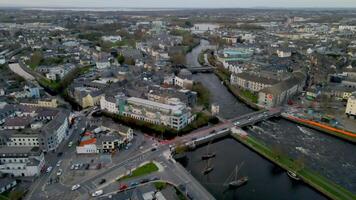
(178, 59)
(121, 59)
(35, 59)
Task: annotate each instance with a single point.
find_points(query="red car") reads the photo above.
(123, 187)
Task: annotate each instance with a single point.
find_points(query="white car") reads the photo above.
(59, 172)
(59, 163)
(49, 169)
(97, 193)
(75, 187)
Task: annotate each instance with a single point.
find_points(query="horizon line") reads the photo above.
(177, 8)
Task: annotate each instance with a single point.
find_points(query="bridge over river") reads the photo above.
(202, 136)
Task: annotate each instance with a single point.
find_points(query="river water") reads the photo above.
(329, 156)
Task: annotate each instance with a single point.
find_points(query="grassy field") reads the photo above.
(141, 171)
(315, 180)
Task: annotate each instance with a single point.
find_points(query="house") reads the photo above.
(351, 106)
(176, 80)
(87, 96)
(284, 53)
(21, 161)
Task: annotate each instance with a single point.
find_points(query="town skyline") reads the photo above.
(180, 4)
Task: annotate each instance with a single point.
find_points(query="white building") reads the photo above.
(251, 82)
(175, 80)
(108, 104)
(175, 116)
(21, 161)
(111, 38)
(284, 53)
(351, 106)
(102, 64)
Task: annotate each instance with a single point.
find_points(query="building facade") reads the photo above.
(21, 161)
(351, 106)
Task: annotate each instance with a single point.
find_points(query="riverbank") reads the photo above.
(313, 179)
(342, 134)
(225, 79)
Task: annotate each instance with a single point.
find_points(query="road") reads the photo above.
(16, 68)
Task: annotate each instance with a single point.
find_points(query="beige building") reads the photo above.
(351, 106)
(251, 82)
(48, 103)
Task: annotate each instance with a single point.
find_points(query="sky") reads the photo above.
(179, 3)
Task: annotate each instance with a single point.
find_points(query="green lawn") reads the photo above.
(141, 171)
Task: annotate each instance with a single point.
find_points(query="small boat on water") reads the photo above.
(208, 155)
(236, 181)
(293, 175)
(239, 182)
(208, 168)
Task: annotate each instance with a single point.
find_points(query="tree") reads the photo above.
(35, 59)
(299, 164)
(178, 59)
(121, 59)
(188, 24)
(16, 195)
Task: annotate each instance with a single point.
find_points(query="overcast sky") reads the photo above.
(179, 3)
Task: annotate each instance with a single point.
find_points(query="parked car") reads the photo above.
(145, 180)
(59, 163)
(153, 149)
(154, 178)
(75, 187)
(70, 144)
(133, 184)
(97, 193)
(123, 187)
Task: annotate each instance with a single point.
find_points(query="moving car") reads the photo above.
(97, 193)
(70, 144)
(59, 163)
(49, 169)
(59, 172)
(75, 187)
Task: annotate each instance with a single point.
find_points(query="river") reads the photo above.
(329, 156)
